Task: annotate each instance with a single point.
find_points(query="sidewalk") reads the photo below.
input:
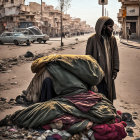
(133, 42)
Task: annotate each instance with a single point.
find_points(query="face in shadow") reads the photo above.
(107, 30)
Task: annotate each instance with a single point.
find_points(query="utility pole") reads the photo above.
(61, 27)
(139, 19)
(103, 2)
(41, 16)
(102, 9)
(62, 6)
(105, 12)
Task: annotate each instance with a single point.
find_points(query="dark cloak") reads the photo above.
(95, 47)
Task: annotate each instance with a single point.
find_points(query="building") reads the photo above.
(15, 14)
(129, 17)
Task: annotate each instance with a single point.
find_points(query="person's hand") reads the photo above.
(114, 75)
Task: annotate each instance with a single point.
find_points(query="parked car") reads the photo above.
(15, 37)
(35, 33)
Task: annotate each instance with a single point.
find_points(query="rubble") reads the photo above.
(13, 132)
(29, 54)
(4, 104)
(8, 63)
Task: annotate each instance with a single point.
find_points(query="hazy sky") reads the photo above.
(88, 10)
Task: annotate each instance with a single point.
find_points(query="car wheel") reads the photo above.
(33, 41)
(28, 43)
(44, 41)
(39, 40)
(1, 42)
(16, 42)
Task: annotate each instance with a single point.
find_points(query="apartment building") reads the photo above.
(15, 14)
(129, 17)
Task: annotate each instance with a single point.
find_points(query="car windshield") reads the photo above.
(35, 30)
(18, 34)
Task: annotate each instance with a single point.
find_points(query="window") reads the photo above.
(4, 34)
(11, 18)
(35, 30)
(6, 0)
(12, 1)
(8, 34)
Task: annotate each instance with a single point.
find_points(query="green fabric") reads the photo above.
(69, 77)
(78, 127)
(75, 75)
(41, 114)
(88, 71)
(65, 82)
(103, 111)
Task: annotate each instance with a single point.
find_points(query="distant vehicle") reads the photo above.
(35, 33)
(15, 37)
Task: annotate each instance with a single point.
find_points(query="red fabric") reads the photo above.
(84, 101)
(56, 136)
(114, 131)
(67, 121)
(46, 127)
(117, 120)
(119, 112)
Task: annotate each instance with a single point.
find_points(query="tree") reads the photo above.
(63, 6)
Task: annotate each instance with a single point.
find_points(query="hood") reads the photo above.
(99, 24)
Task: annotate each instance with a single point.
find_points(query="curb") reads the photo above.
(133, 46)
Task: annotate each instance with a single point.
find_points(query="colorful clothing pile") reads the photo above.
(75, 108)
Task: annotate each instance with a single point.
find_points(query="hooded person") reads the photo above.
(103, 47)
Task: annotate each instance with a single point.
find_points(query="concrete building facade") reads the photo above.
(15, 14)
(129, 17)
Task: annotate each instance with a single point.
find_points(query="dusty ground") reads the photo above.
(15, 75)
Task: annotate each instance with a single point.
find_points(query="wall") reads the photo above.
(35, 7)
(11, 11)
(16, 3)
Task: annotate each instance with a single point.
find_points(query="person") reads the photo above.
(120, 34)
(103, 47)
(128, 34)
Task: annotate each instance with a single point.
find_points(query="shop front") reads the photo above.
(132, 22)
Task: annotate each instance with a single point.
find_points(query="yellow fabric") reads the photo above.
(67, 58)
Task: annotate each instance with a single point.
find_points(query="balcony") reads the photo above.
(131, 2)
(22, 17)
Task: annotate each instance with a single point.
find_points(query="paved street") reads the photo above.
(127, 83)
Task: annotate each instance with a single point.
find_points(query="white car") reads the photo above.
(38, 35)
(15, 37)
(35, 33)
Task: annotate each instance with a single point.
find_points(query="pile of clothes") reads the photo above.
(63, 99)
